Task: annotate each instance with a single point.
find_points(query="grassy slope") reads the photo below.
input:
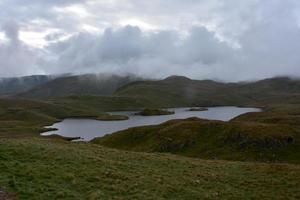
(178, 91)
(277, 114)
(272, 135)
(20, 118)
(52, 169)
(173, 91)
(212, 140)
(48, 169)
(103, 103)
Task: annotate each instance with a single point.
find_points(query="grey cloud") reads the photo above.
(29, 3)
(229, 40)
(16, 58)
(121, 45)
(203, 46)
(54, 36)
(26, 11)
(130, 50)
(264, 52)
(11, 31)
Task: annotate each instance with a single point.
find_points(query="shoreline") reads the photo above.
(48, 128)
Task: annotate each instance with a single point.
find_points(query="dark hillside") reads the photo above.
(176, 90)
(89, 84)
(12, 86)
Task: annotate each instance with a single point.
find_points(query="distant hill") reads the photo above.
(88, 84)
(12, 86)
(178, 90)
(172, 91)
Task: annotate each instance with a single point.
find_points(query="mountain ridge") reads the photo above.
(172, 91)
(87, 84)
(14, 85)
(209, 92)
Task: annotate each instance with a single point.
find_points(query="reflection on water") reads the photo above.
(89, 128)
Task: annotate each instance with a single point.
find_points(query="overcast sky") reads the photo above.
(229, 40)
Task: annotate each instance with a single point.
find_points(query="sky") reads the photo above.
(228, 40)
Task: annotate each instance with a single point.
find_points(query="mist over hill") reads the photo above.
(10, 86)
(171, 91)
(88, 84)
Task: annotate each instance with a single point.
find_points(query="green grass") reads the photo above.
(104, 103)
(50, 169)
(181, 91)
(212, 140)
(23, 118)
(275, 114)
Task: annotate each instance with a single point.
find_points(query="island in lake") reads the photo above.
(153, 112)
(198, 109)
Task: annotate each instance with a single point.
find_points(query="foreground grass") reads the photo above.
(36, 168)
(53, 169)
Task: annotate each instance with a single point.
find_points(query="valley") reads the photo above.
(254, 155)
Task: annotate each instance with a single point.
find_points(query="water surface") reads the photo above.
(88, 129)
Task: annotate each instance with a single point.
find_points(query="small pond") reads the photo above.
(88, 129)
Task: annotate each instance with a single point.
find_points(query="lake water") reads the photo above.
(88, 129)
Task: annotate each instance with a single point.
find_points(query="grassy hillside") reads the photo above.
(212, 140)
(176, 90)
(49, 169)
(172, 91)
(275, 114)
(24, 117)
(89, 84)
(21, 118)
(104, 103)
(33, 167)
(272, 135)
